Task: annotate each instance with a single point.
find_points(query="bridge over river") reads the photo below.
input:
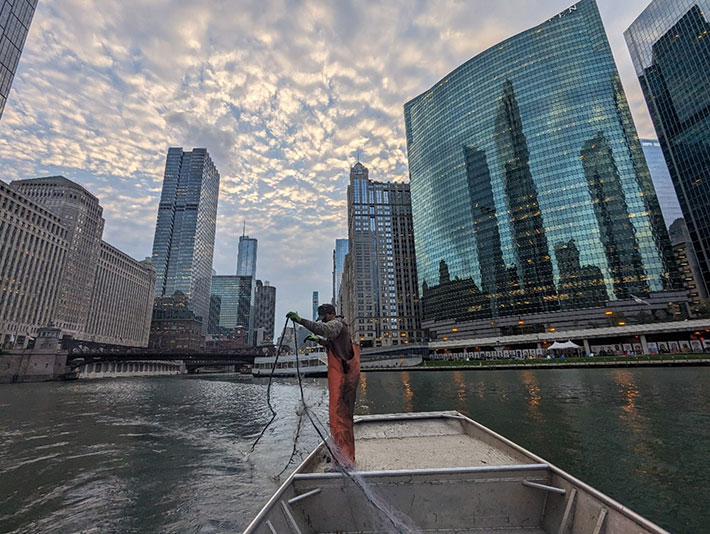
(137, 363)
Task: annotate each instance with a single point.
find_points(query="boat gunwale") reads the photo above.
(437, 471)
(272, 502)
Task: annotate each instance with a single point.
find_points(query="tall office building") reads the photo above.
(662, 182)
(688, 263)
(315, 305)
(246, 257)
(245, 306)
(530, 193)
(215, 310)
(33, 249)
(15, 19)
(225, 289)
(670, 48)
(381, 276)
(265, 310)
(82, 215)
(121, 300)
(184, 233)
(103, 294)
(341, 250)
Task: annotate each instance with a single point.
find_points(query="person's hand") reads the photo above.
(313, 338)
(294, 317)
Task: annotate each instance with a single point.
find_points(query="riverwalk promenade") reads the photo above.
(656, 360)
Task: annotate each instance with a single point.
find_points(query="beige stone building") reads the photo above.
(380, 278)
(81, 214)
(104, 295)
(33, 249)
(122, 299)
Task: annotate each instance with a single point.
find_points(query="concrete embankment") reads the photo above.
(676, 361)
(28, 367)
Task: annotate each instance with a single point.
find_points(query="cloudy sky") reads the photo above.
(281, 93)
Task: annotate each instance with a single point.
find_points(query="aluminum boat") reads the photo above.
(445, 473)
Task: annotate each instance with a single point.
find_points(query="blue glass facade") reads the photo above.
(183, 245)
(15, 19)
(341, 250)
(670, 47)
(227, 290)
(246, 257)
(662, 182)
(530, 192)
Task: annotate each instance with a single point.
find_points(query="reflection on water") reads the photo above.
(408, 393)
(530, 382)
(460, 390)
(172, 454)
(641, 436)
(625, 380)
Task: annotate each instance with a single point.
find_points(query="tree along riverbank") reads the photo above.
(648, 360)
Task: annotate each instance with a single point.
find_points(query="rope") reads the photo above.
(333, 456)
(398, 526)
(268, 388)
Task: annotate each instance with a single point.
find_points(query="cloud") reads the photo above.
(282, 93)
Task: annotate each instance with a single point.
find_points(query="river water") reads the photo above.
(172, 454)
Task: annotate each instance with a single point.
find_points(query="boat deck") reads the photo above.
(439, 444)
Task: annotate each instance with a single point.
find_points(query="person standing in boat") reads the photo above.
(333, 333)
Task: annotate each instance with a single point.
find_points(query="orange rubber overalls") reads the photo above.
(342, 387)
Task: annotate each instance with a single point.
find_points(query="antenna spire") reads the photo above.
(244, 231)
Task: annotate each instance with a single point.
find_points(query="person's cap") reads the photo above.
(325, 309)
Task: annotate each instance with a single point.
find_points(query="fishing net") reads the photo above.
(385, 517)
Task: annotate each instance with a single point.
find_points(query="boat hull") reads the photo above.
(442, 472)
(318, 372)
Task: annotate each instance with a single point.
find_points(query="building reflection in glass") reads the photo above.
(529, 241)
(494, 279)
(670, 48)
(578, 285)
(617, 232)
(507, 219)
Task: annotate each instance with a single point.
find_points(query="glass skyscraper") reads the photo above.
(264, 310)
(227, 289)
(670, 47)
(662, 182)
(15, 19)
(341, 250)
(530, 192)
(184, 234)
(246, 257)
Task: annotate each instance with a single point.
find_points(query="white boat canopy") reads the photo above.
(566, 345)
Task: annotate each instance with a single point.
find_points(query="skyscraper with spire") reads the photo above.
(246, 257)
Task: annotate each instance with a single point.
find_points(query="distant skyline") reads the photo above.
(282, 94)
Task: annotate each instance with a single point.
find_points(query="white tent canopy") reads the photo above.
(566, 345)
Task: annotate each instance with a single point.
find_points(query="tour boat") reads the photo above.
(439, 472)
(315, 363)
